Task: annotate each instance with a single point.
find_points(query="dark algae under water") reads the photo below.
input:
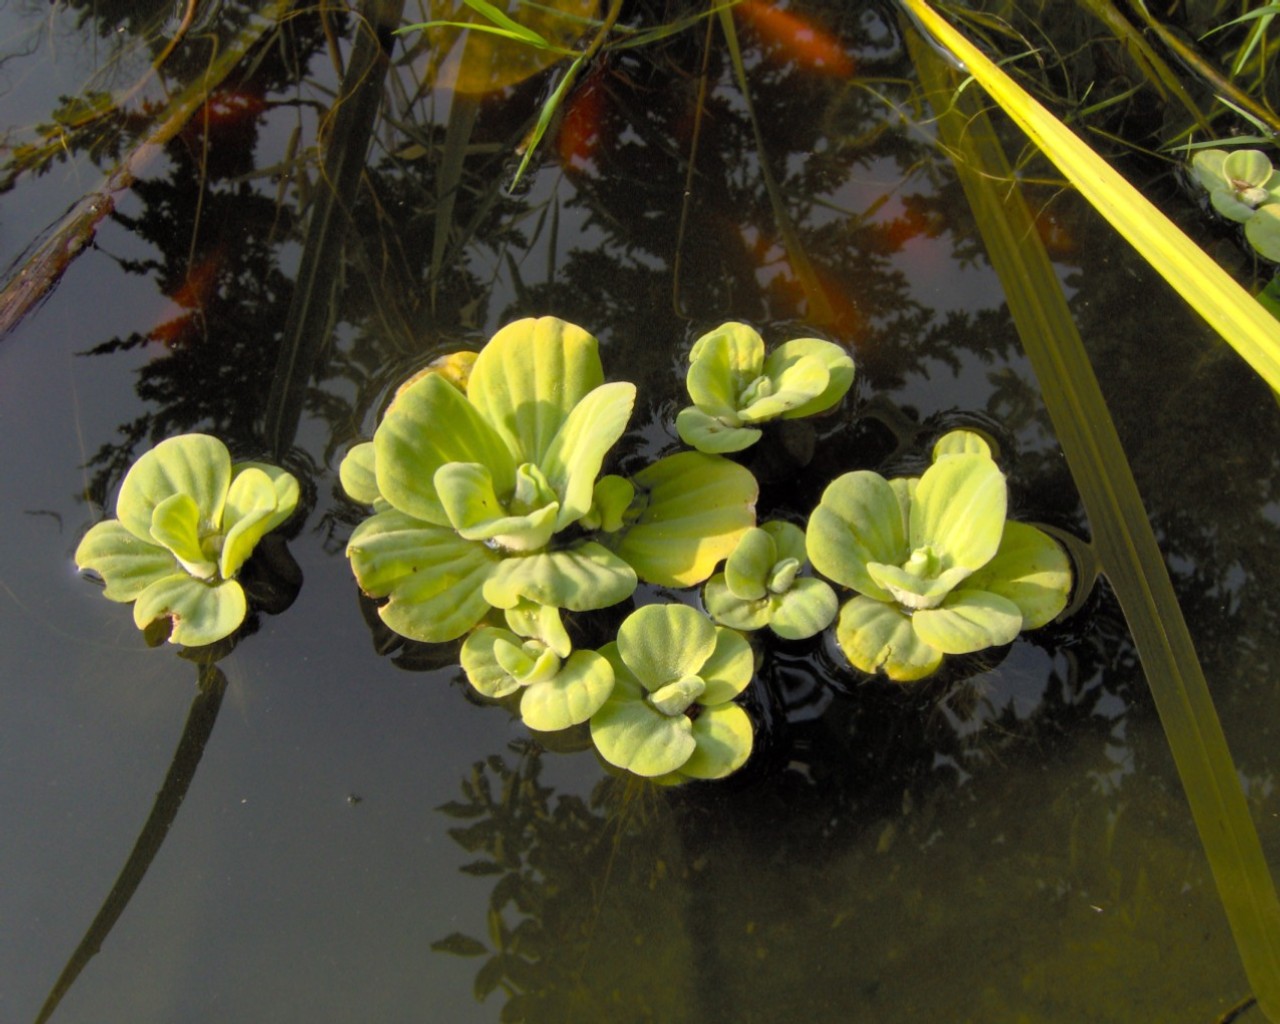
(328, 824)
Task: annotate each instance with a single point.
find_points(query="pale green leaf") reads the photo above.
(961, 442)
(912, 591)
(541, 622)
(695, 509)
(577, 692)
(857, 521)
(728, 669)
(723, 738)
(632, 735)
(285, 484)
(959, 510)
(433, 578)
(746, 572)
(877, 637)
(480, 663)
(805, 610)
(431, 424)
(1032, 570)
(711, 434)
(729, 610)
(581, 578)
(788, 539)
(838, 364)
(196, 465)
(249, 515)
(721, 363)
(358, 474)
(1248, 167)
(610, 499)
(466, 492)
(968, 621)
(574, 458)
(677, 697)
(799, 384)
(528, 378)
(175, 524)
(661, 643)
(1263, 231)
(201, 612)
(126, 564)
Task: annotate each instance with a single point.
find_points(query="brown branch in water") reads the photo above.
(44, 267)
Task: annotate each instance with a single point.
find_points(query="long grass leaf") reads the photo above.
(1213, 293)
(1125, 543)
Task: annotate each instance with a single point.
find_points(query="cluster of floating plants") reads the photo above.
(492, 523)
(1245, 188)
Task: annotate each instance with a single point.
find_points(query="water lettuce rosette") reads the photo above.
(761, 586)
(474, 480)
(671, 714)
(187, 520)
(935, 565)
(735, 387)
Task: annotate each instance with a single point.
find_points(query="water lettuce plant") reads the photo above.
(1244, 187)
(671, 714)
(735, 386)
(473, 516)
(761, 586)
(555, 691)
(935, 565)
(187, 520)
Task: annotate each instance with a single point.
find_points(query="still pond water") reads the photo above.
(351, 836)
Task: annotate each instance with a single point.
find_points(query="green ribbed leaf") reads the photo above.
(195, 465)
(126, 564)
(201, 612)
(696, 507)
(528, 378)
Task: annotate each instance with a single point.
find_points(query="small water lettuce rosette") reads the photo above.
(1244, 187)
(475, 478)
(935, 565)
(735, 387)
(761, 586)
(187, 520)
(557, 686)
(671, 716)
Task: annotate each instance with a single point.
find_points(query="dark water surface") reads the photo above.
(362, 840)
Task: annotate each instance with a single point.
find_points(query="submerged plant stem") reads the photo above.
(310, 319)
(1126, 545)
(186, 758)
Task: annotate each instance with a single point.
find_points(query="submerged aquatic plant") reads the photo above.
(735, 386)
(761, 586)
(465, 515)
(671, 714)
(936, 566)
(187, 520)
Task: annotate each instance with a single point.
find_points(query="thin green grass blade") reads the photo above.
(528, 38)
(545, 115)
(820, 311)
(1126, 546)
(1226, 306)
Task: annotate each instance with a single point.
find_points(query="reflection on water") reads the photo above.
(1006, 841)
